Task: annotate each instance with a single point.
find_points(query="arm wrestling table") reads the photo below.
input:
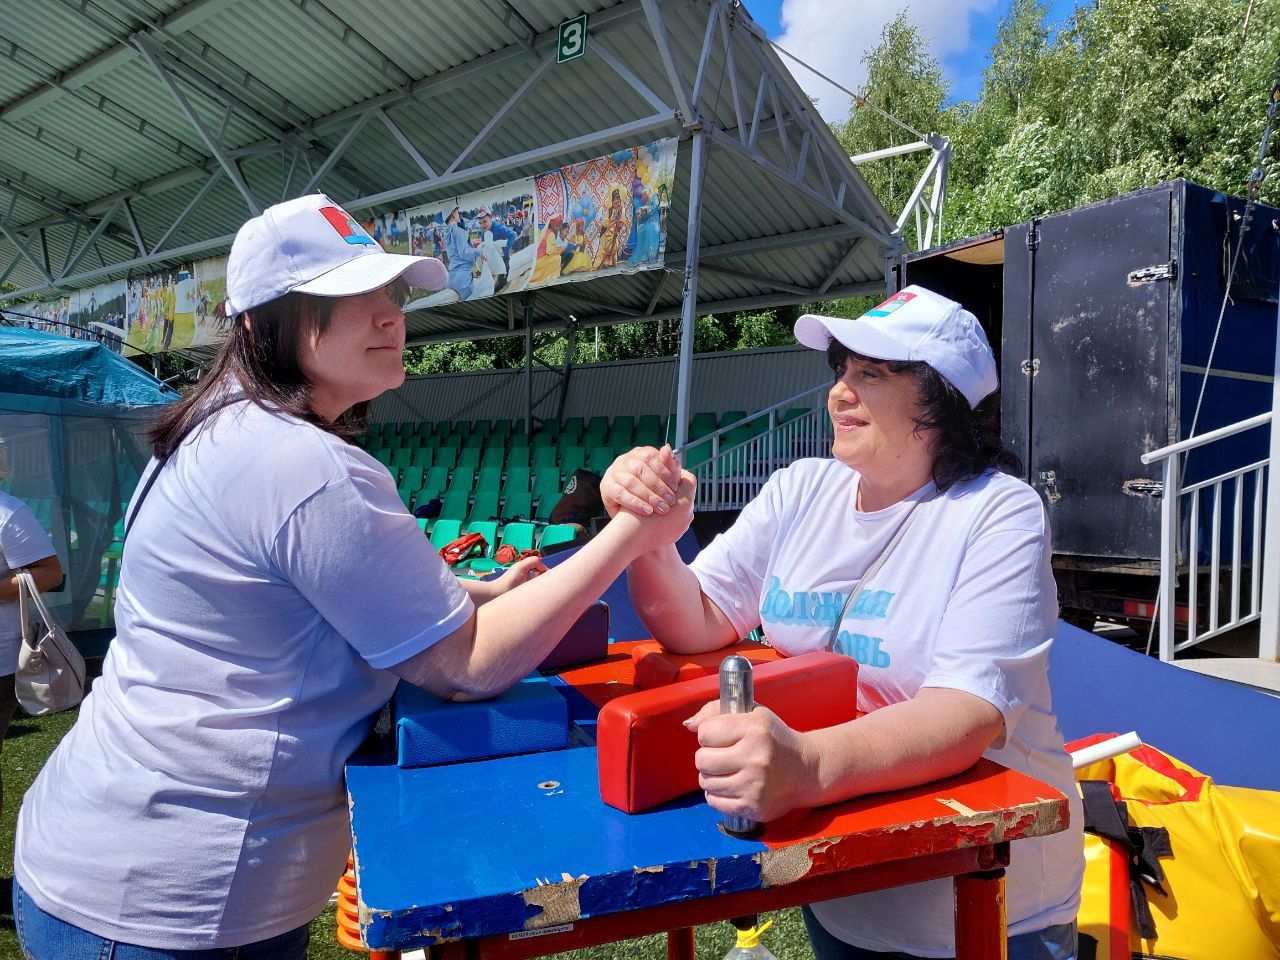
(518, 857)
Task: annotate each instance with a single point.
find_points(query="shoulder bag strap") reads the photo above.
(27, 586)
(871, 572)
(159, 464)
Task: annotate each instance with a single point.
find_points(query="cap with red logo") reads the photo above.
(311, 245)
(915, 324)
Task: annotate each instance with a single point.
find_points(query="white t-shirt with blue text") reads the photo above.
(271, 576)
(965, 601)
(22, 541)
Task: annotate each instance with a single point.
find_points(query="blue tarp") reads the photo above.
(46, 365)
(73, 420)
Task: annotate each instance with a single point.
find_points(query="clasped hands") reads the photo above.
(752, 764)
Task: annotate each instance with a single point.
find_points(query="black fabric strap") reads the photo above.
(1106, 817)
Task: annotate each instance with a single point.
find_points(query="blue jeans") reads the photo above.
(1051, 943)
(45, 937)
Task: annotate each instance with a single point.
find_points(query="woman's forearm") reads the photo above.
(938, 733)
(669, 600)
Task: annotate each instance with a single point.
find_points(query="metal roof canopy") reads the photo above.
(140, 134)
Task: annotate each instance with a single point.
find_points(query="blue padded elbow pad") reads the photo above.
(530, 717)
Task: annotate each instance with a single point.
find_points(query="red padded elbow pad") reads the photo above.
(655, 667)
(646, 752)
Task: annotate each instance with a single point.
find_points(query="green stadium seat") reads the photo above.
(481, 428)
(401, 457)
(520, 440)
(571, 459)
(422, 525)
(494, 456)
(412, 476)
(518, 505)
(475, 441)
(454, 505)
(573, 425)
(517, 481)
(546, 505)
(469, 457)
(462, 478)
(544, 457)
(546, 481)
(489, 478)
(446, 457)
(501, 428)
(383, 456)
(450, 440)
(387, 430)
(485, 506)
(407, 429)
(518, 535)
(696, 454)
(437, 478)
(731, 417)
(422, 457)
(445, 531)
(597, 427)
(557, 533)
(600, 459)
(423, 496)
(702, 424)
(517, 457)
(406, 494)
(544, 438)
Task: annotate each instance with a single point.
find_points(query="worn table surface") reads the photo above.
(525, 843)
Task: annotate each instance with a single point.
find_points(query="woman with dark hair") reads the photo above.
(911, 551)
(273, 592)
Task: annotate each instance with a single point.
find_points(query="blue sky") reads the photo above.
(833, 35)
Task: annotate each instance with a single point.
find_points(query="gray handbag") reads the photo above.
(50, 675)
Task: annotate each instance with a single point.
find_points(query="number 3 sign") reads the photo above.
(571, 41)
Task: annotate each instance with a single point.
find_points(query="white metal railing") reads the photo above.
(1225, 493)
(732, 475)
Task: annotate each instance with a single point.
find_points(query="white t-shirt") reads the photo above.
(965, 601)
(22, 541)
(272, 572)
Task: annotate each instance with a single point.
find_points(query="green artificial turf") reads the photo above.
(31, 740)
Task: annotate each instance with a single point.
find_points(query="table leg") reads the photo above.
(680, 944)
(980, 917)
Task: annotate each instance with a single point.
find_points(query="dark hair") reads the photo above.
(968, 441)
(263, 361)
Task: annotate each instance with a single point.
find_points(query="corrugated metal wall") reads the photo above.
(735, 380)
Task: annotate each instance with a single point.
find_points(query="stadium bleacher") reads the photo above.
(493, 478)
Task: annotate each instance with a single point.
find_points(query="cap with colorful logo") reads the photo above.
(311, 245)
(915, 324)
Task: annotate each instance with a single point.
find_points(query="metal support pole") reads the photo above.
(570, 348)
(1169, 555)
(689, 306)
(1269, 629)
(528, 364)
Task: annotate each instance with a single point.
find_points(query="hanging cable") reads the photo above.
(858, 98)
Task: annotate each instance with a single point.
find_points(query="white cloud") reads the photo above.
(834, 35)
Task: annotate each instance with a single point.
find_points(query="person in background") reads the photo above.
(273, 592)
(951, 629)
(462, 255)
(23, 543)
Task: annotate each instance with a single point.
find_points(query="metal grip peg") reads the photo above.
(737, 695)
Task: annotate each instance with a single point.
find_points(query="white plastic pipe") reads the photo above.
(1105, 750)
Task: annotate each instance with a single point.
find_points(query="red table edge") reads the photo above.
(980, 916)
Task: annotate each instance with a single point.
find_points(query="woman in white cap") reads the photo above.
(911, 551)
(273, 592)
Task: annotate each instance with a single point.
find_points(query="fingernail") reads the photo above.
(648, 510)
(663, 508)
(671, 499)
(687, 722)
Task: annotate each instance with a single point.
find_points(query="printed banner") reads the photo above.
(598, 218)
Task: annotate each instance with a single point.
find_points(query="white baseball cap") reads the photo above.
(915, 324)
(311, 245)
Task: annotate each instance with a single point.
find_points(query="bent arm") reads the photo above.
(669, 600)
(47, 574)
(510, 635)
(936, 734)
